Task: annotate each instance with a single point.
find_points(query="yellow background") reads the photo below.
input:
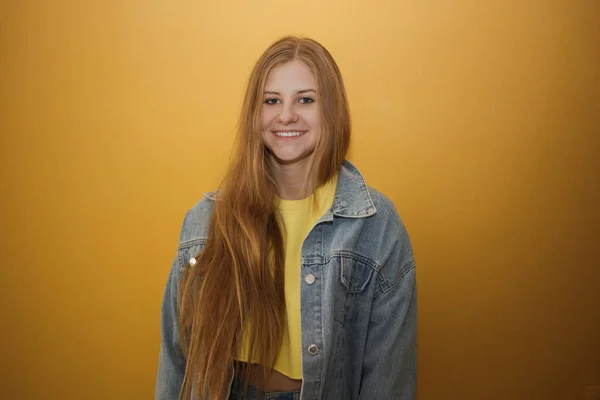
(479, 119)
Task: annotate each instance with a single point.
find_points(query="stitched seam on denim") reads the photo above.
(356, 257)
(389, 286)
(367, 212)
(382, 284)
(356, 216)
(365, 187)
(317, 259)
(180, 262)
(192, 242)
(186, 246)
(331, 366)
(349, 284)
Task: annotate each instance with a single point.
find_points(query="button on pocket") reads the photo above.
(355, 274)
(189, 252)
(309, 279)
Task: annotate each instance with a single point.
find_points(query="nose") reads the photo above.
(287, 114)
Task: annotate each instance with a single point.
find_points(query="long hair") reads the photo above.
(235, 292)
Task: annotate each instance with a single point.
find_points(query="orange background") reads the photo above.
(480, 121)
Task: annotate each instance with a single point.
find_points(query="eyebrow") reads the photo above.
(298, 92)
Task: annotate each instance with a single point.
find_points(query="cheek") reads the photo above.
(313, 118)
(267, 117)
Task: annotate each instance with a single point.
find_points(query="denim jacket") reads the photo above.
(358, 299)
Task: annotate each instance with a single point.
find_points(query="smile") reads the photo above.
(287, 134)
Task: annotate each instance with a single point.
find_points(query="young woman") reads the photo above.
(295, 280)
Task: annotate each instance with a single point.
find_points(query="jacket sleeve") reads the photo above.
(171, 363)
(389, 368)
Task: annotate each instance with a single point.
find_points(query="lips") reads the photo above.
(289, 134)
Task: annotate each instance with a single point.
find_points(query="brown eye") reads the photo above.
(271, 101)
(306, 100)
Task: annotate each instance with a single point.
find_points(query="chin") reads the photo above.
(290, 159)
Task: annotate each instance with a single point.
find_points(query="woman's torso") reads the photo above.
(343, 268)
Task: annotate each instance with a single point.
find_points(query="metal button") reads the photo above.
(343, 203)
(310, 279)
(313, 349)
(193, 261)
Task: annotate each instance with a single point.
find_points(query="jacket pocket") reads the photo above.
(356, 272)
(188, 250)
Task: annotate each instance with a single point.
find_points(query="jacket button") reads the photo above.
(193, 261)
(313, 349)
(310, 279)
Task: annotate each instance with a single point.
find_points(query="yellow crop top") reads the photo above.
(298, 218)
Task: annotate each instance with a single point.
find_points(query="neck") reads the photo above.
(291, 179)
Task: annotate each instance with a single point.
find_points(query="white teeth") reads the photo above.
(288, 134)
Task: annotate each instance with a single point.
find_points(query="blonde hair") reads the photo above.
(237, 286)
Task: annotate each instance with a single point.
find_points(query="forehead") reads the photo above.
(291, 75)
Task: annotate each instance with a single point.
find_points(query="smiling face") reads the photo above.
(290, 114)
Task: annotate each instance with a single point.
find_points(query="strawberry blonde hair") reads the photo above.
(238, 283)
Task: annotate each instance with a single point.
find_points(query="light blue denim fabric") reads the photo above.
(359, 314)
